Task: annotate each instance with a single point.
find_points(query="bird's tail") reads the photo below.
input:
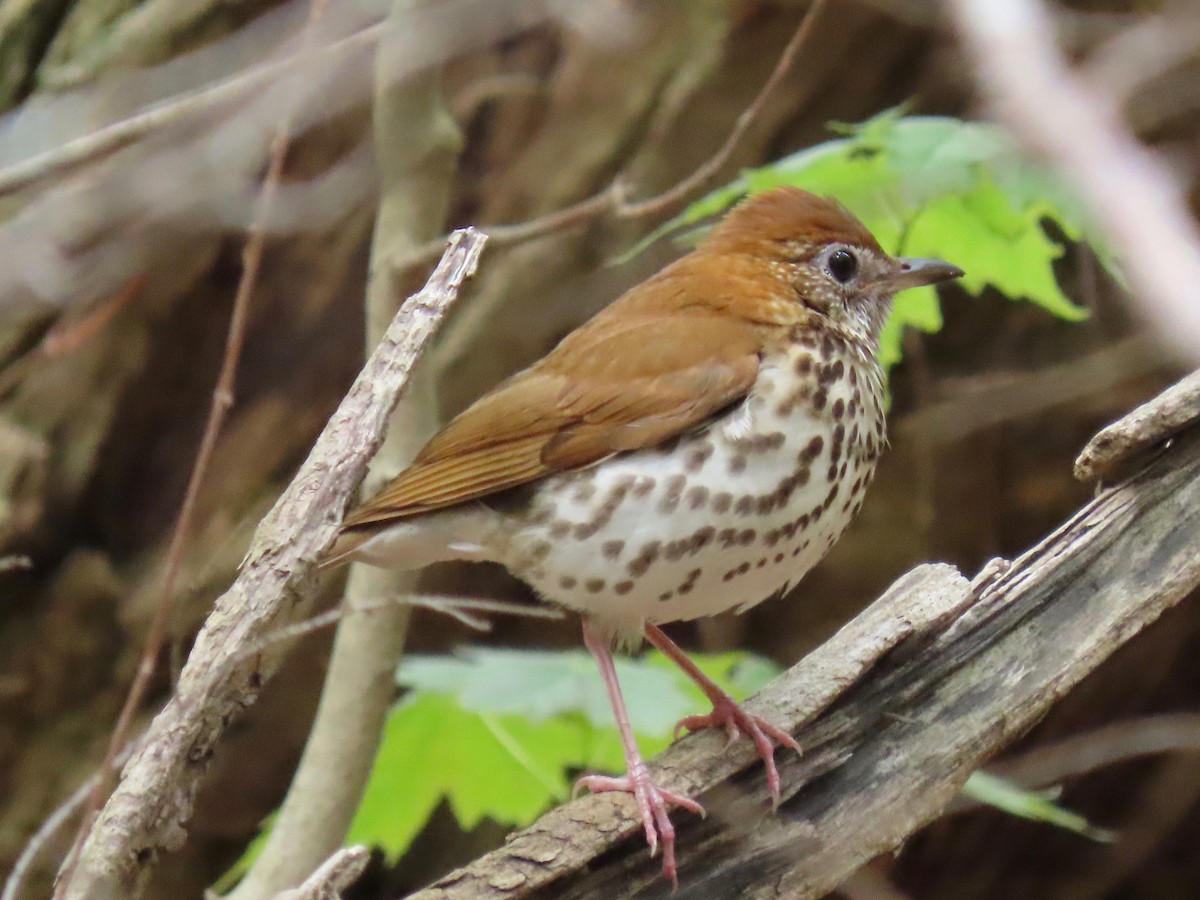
(413, 543)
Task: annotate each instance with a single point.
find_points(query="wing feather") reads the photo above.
(619, 383)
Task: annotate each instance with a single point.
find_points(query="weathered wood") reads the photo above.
(1153, 422)
(224, 674)
(963, 674)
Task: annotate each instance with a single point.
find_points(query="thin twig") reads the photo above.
(15, 883)
(222, 401)
(457, 607)
(149, 809)
(71, 332)
(1099, 748)
(159, 115)
(612, 200)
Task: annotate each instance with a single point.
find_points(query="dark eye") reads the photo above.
(842, 265)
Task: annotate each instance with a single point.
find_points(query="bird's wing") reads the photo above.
(618, 383)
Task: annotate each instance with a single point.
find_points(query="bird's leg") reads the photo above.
(653, 802)
(726, 712)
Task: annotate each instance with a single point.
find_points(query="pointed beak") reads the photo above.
(915, 272)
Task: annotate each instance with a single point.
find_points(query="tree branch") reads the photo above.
(894, 712)
(149, 809)
(417, 146)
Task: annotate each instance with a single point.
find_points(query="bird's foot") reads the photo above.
(653, 803)
(727, 714)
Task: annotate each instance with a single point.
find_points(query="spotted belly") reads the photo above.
(721, 518)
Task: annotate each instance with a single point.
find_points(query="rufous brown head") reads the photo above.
(824, 256)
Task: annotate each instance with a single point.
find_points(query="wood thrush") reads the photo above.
(695, 447)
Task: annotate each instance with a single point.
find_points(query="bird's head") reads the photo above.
(822, 258)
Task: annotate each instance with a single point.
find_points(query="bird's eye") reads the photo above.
(842, 265)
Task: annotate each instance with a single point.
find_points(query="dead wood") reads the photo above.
(895, 712)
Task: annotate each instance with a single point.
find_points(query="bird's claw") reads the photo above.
(736, 721)
(653, 803)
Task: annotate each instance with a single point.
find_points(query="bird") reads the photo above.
(695, 447)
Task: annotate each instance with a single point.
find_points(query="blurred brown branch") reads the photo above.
(1135, 199)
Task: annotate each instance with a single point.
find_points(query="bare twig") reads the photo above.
(1153, 422)
(462, 609)
(222, 401)
(126, 131)
(997, 398)
(613, 200)
(335, 875)
(14, 885)
(417, 146)
(1146, 219)
(147, 811)
(1099, 748)
(70, 332)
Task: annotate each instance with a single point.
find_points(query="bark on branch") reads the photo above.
(149, 809)
(894, 712)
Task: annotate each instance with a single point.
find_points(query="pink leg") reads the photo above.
(726, 712)
(653, 802)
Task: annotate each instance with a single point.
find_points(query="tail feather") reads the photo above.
(413, 543)
(343, 549)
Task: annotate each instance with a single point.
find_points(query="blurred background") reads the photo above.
(132, 152)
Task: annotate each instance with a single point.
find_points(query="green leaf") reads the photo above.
(497, 733)
(931, 186)
(1035, 805)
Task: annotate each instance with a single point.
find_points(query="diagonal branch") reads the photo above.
(149, 809)
(894, 713)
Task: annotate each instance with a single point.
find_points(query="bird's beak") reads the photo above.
(913, 272)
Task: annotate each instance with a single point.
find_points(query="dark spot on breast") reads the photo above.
(612, 549)
(697, 455)
(665, 596)
(560, 530)
(721, 501)
(594, 585)
(727, 537)
(643, 486)
(675, 549)
(812, 449)
(778, 558)
(746, 537)
(737, 463)
(585, 491)
(567, 582)
(697, 496)
(623, 587)
(586, 530)
(762, 562)
(819, 398)
(702, 538)
(839, 408)
(804, 364)
(645, 558)
(671, 494)
(745, 505)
